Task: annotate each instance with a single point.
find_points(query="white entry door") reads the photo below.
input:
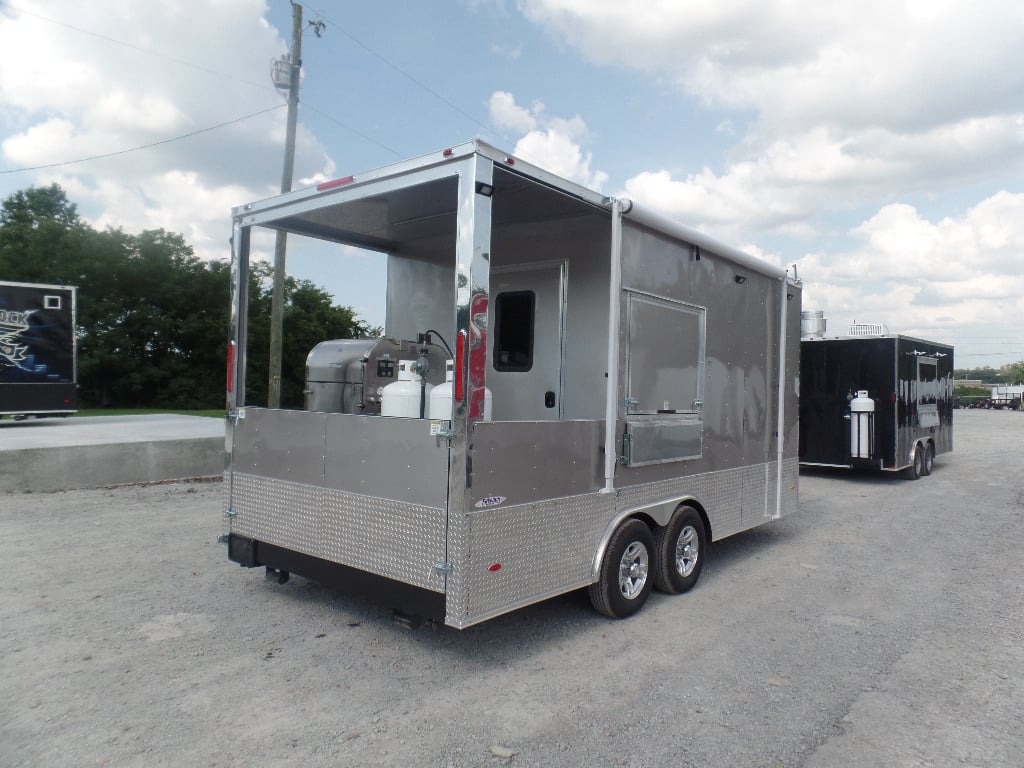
(526, 318)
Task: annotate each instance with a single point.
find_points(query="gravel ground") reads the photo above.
(881, 626)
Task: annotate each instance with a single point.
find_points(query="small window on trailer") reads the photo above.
(514, 329)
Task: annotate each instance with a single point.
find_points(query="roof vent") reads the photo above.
(812, 324)
(868, 329)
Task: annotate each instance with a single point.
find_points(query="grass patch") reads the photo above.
(214, 413)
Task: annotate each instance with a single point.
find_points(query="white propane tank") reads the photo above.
(441, 397)
(862, 416)
(403, 397)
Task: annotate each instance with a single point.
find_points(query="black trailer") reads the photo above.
(883, 402)
(38, 364)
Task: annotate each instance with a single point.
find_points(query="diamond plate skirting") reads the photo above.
(394, 539)
(544, 549)
(734, 499)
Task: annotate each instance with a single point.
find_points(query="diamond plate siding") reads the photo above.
(397, 540)
(734, 499)
(790, 485)
(544, 549)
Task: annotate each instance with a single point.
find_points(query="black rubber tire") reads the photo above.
(913, 472)
(929, 460)
(687, 523)
(606, 594)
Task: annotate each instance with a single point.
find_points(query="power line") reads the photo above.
(199, 67)
(146, 146)
(405, 74)
(356, 131)
(158, 54)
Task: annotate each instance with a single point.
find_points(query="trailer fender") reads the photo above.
(915, 469)
(655, 515)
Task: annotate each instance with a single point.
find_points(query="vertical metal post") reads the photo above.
(611, 405)
(783, 379)
(472, 288)
(280, 244)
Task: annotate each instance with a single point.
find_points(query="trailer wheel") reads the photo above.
(929, 460)
(916, 468)
(679, 550)
(623, 583)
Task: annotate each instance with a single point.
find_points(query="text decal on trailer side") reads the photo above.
(620, 390)
(38, 363)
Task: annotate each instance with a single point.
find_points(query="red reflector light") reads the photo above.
(460, 360)
(231, 364)
(494, 568)
(510, 160)
(335, 183)
(448, 153)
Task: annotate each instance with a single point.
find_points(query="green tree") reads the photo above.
(309, 317)
(39, 232)
(153, 319)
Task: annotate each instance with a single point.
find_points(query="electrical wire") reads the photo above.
(145, 146)
(147, 51)
(184, 62)
(399, 70)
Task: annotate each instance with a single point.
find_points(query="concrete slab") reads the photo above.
(95, 451)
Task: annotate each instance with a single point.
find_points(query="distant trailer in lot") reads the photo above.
(878, 400)
(1007, 396)
(38, 371)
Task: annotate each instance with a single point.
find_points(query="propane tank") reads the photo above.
(405, 396)
(441, 397)
(862, 417)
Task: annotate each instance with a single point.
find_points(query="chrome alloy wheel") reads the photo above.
(633, 570)
(687, 551)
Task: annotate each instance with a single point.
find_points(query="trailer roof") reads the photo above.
(894, 336)
(296, 211)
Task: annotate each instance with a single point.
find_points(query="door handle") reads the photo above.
(549, 399)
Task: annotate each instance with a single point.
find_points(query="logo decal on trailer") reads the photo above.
(489, 501)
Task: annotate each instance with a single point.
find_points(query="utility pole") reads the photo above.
(280, 245)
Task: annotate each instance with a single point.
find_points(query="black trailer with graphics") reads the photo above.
(38, 364)
(883, 402)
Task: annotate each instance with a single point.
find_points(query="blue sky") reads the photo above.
(879, 146)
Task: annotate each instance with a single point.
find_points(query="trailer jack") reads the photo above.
(274, 573)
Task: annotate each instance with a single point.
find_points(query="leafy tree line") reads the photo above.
(153, 319)
(1006, 374)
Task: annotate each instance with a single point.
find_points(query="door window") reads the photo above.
(513, 333)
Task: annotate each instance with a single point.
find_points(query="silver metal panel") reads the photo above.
(721, 495)
(664, 355)
(740, 258)
(390, 458)
(655, 441)
(790, 486)
(421, 295)
(529, 461)
(392, 539)
(287, 445)
(543, 549)
(742, 329)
